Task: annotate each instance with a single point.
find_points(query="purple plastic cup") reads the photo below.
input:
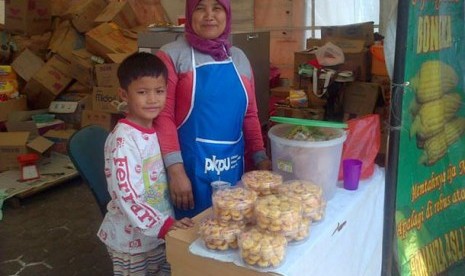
(351, 170)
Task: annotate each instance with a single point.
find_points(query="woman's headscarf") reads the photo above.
(214, 47)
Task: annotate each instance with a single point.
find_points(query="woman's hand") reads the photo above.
(264, 165)
(180, 187)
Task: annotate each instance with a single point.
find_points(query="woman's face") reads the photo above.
(209, 19)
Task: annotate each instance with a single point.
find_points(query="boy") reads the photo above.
(139, 213)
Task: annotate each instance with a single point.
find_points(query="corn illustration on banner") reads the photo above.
(430, 197)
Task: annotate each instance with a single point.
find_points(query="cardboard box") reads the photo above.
(23, 126)
(15, 143)
(106, 75)
(10, 106)
(65, 39)
(103, 119)
(60, 139)
(385, 83)
(82, 67)
(69, 107)
(22, 121)
(360, 98)
(280, 91)
(120, 13)
(83, 13)
(48, 83)
(185, 263)
(27, 16)
(359, 31)
(59, 7)
(41, 145)
(12, 144)
(27, 64)
(102, 98)
(303, 113)
(108, 38)
(313, 42)
(118, 58)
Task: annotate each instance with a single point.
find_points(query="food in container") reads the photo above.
(217, 236)
(262, 249)
(309, 194)
(233, 204)
(313, 134)
(303, 231)
(279, 214)
(261, 181)
(316, 161)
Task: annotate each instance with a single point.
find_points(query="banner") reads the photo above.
(430, 197)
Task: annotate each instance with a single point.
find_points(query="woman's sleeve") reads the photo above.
(123, 158)
(254, 146)
(165, 123)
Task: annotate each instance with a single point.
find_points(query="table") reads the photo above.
(347, 242)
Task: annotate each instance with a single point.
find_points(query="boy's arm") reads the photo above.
(126, 185)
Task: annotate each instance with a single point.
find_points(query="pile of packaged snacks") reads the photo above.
(219, 236)
(279, 214)
(261, 181)
(262, 249)
(233, 204)
(309, 194)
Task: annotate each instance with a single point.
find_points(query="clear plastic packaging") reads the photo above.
(234, 204)
(261, 249)
(261, 181)
(316, 161)
(278, 214)
(303, 232)
(309, 194)
(217, 236)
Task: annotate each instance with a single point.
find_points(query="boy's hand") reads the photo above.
(183, 223)
(180, 187)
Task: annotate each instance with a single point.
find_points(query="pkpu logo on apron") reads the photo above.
(220, 165)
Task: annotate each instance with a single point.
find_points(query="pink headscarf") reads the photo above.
(214, 47)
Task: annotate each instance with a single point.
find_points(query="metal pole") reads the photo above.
(394, 139)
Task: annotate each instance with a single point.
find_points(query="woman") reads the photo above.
(210, 119)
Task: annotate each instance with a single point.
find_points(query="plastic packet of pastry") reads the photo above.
(263, 182)
(218, 236)
(302, 234)
(262, 249)
(278, 214)
(309, 194)
(234, 204)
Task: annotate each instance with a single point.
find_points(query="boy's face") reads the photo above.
(145, 98)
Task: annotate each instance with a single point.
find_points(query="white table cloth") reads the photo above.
(347, 242)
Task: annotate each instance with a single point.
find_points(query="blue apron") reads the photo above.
(211, 139)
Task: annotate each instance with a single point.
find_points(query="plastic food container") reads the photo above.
(262, 250)
(261, 181)
(309, 194)
(234, 204)
(217, 236)
(302, 233)
(316, 161)
(278, 214)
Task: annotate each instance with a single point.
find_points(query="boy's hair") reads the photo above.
(138, 65)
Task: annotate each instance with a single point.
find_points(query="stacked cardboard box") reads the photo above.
(66, 61)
